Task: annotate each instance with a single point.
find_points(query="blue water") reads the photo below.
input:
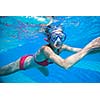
(19, 36)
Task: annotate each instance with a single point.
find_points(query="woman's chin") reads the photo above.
(57, 47)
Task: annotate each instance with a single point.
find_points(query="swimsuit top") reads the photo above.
(45, 62)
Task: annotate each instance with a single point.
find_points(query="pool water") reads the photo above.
(19, 35)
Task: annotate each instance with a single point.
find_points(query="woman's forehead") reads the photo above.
(57, 32)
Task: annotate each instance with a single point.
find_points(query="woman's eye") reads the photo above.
(54, 37)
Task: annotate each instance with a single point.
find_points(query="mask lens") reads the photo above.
(62, 37)
(54, 37)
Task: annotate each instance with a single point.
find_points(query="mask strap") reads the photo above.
(46, 39)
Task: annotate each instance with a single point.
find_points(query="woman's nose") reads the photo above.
(58, 39)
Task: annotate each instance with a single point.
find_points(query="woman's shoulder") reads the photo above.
(45, 47)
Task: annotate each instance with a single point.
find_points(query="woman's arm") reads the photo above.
(68, 48)
(64, 63)
(42, 29)
(51, 21)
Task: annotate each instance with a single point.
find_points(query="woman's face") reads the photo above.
(57, 40)
(57, 44)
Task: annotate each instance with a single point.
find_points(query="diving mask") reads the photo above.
(59, 35)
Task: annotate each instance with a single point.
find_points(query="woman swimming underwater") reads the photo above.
(49, 54)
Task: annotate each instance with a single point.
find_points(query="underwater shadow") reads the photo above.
(44, 71)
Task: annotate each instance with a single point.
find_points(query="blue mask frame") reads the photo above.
(55, 36)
